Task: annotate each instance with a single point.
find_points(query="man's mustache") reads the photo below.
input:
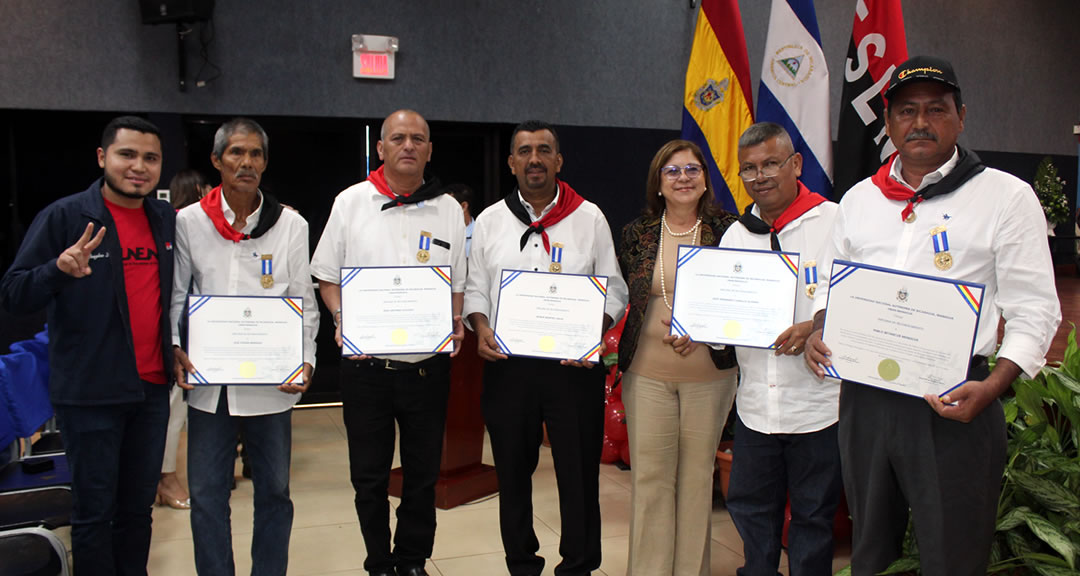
(920, 135)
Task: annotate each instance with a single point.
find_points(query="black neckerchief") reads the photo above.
(758, 226)
(271, 212)
(431, 188)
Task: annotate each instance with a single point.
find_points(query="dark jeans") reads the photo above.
(521, 394)
(115, 453)
(211, 464)
(373, 399)
(767, 469)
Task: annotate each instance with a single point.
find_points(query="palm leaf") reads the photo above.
(1047, 532)
(1012, 519)
(1049, 494)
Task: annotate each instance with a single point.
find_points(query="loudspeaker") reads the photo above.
(168, 11)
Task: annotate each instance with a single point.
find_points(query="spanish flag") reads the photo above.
(717, 99)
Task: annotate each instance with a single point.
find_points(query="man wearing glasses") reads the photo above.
(786, 427)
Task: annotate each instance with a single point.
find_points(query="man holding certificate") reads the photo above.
(935, 210)
(397, 227)
(785, 436)
(247, 260)
(543, 226)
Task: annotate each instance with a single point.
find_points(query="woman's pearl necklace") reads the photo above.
(693, 240)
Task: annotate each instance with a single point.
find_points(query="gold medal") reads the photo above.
(267, 279)
(943, 260)
(810, 275)
(556, 257)
(423, 255)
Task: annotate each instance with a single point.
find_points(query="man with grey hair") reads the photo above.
(238, 241)
(381, 222)
(786, 426)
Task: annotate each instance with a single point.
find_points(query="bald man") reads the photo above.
(380, 222)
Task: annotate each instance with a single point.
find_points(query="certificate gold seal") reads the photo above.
(547, 343)
(399, 336)
(732, 329)
(422, 256)
(246, 370)
(943, 260)
(888, 369)
(555, 267)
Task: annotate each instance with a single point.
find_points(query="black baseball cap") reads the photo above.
(921, 69)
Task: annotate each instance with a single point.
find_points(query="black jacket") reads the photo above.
(91, 353)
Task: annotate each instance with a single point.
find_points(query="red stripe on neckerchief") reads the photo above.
(569, 200)
(211, 205)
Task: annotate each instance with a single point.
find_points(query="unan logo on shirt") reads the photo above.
(143, 254)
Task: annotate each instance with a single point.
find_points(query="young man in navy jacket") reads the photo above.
(101, 263)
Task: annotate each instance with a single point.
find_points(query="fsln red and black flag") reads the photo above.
(878, 45)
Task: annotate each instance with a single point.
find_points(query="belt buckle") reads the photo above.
(387, 364)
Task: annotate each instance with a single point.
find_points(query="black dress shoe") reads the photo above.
(412, 571)
(382, 573)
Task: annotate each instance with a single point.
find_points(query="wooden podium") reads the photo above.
(462, 476)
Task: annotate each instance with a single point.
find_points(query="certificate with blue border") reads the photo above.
(245, 340)
(734, 296)
(387, 310)
(548, 315)
(904, 332)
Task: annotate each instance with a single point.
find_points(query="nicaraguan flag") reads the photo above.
(717, 100)
(794, 89)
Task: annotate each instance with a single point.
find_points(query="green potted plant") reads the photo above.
(1048, 187)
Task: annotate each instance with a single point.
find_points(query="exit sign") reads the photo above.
(373, 56)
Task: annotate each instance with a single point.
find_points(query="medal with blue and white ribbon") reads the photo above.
(810, 275)
(556, 257)
(267, 270)
(942, 259)
(424, 254)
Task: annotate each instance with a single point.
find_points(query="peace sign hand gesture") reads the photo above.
(75, 261)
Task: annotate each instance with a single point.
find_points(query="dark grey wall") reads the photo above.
(574, 62)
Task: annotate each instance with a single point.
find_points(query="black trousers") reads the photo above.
(896, 453)
(373, 398)
(519, 395)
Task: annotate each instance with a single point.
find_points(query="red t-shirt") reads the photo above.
(143, 286)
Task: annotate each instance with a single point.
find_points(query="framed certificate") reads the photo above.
(899, 331)
(245, 340)
(396, 310)
(547, 315)
(734, 296)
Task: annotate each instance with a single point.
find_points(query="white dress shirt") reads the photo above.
(360, 233)
(222, 267)
(496, 245)
(997, 237)
(779, 394)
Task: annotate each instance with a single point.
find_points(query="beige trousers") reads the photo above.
(673, 432)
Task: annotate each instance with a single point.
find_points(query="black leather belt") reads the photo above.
(420, 367)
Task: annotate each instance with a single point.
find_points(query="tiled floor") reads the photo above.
(326, 537)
